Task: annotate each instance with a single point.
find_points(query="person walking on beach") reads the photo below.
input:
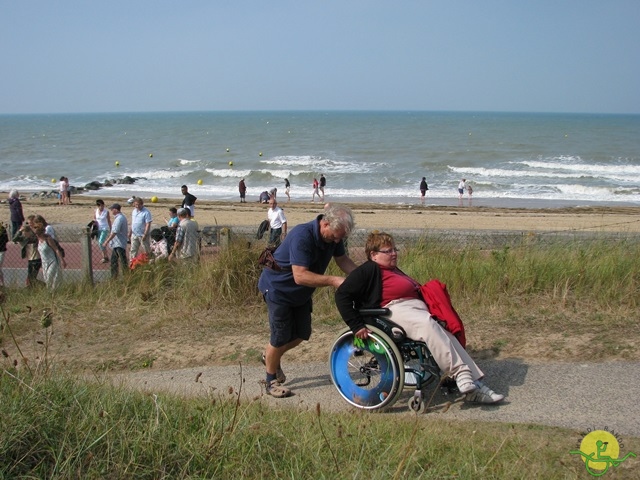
(462, 186)
(315, 190)
(277, 223)
(242, 188)
(15, 209)
(423, 189)
(68, 190)
(189, 200)
(117, 240)
(63, 191)
(140, 228)
(302, 260)
(323, 183)
(103, 220)
(287, 189)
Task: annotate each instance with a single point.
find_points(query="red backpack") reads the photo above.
(436, 296)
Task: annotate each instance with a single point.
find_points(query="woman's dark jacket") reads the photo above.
(361, 289)
(15, 207)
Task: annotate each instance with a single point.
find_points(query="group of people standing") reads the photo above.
(318, 190)
(180, 242)
(64, 191)
(38, 245)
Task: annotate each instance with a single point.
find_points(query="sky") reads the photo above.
(66, 56)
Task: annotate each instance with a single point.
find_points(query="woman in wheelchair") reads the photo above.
(380, 283)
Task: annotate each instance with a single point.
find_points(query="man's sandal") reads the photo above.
(279, 373)
(276, 390)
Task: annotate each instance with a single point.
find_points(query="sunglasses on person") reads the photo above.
(390, 251)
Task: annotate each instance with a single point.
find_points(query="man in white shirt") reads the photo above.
(277, 223)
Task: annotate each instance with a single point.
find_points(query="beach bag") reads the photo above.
(93, 228)
(138, 260)
(266, 259)
(435, 295)
(264, 226)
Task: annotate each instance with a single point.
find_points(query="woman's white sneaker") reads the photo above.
(483, 394)
(465, 382)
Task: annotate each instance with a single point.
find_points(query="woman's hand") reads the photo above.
(363, 333)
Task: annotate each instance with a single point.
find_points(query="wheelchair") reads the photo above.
(371, 374)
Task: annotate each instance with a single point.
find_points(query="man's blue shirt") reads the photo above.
(303, 246)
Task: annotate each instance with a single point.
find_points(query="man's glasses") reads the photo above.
(390, 251)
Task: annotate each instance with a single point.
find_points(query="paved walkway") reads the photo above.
(576, 396)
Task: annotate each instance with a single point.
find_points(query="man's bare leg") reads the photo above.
(274, 354)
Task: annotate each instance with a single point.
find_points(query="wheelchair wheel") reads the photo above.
(417, 405)
(369, 374)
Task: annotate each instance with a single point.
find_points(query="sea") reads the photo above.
(524, 160)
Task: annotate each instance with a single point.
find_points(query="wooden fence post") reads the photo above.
(225, 238)
(87, 261)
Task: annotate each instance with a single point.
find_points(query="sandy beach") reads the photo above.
(367, 215)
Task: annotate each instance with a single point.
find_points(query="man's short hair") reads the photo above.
(339, 216)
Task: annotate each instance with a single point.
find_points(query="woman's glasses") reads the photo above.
(390, 251)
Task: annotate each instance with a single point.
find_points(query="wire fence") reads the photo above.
(84, 258)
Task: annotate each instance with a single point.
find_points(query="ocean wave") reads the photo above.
(159, 174)
(498, 172)
(585, 174)
(596, 169)
(318, 164)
